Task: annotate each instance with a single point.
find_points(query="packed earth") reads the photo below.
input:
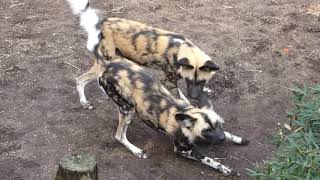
(264, 48)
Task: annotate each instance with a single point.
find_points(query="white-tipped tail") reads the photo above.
(88, 21)
(78, 5)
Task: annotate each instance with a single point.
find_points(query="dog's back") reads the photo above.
(138, 42)
(132, 88)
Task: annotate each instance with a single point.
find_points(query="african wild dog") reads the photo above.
(134, 90)
(172, 53)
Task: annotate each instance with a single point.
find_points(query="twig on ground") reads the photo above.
(227, 7)
(21, 26)
(72, 65)
(238, 13)
(14, 5)
(312, 52)
(232, 157)
(285, 87)
(30, 17)
(184, 9)
(248, 160)
(170, 19)
(253, 70)
(5, 56)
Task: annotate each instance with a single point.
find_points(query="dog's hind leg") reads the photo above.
(84, 79)
(121, 134)
(236, 139)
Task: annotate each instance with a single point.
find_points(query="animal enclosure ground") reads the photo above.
(262, 46)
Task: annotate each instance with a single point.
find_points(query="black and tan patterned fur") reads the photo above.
(177, 56)
(136, 91)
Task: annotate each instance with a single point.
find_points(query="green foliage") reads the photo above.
(298, 154)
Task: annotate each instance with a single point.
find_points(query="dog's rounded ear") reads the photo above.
(209, 66)
(184, 120)
(184, 62)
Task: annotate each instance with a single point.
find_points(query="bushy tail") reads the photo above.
(88, 21)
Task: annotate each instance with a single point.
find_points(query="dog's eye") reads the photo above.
(184, 62)
(209, 66)
(186, 66)
(205, 69)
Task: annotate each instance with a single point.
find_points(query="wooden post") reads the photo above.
(77, 167)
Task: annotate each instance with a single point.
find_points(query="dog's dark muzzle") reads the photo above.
(194, 89)
(215, 136)
(209, 140)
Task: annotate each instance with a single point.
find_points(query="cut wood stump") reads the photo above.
(77, 167)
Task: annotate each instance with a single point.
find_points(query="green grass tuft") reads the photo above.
(298, 154)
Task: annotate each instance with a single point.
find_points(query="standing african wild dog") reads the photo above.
(174, 54)
(134, 90)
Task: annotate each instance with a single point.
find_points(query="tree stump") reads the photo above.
(77, 167)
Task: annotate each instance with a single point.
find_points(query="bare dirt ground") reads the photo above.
(262, 46)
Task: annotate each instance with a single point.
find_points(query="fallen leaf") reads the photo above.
(287, 126)
(285, 51)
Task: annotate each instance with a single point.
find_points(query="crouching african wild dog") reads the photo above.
(134, 90)
(172, 53)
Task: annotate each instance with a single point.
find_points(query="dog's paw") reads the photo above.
(244, 141)
(86, 105)
(208, 90)
(234, 173)
(142, 155)
(230, 172)
(227, 171)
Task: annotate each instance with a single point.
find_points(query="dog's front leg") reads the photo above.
(182, 96)
(236, 139)
(195, 155)
(121, 134)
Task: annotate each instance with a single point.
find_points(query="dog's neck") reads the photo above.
(181, 141)
(172, 126)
